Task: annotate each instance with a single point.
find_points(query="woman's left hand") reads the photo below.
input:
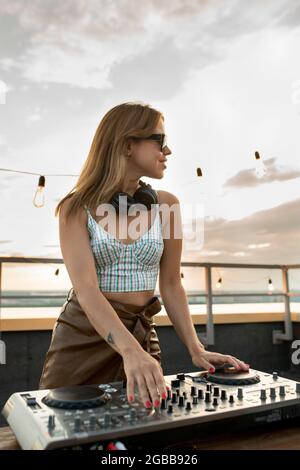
(208, 360)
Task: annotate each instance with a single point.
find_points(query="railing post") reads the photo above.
(210, 336)
(287, 334)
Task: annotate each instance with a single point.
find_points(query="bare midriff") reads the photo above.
(136, 298)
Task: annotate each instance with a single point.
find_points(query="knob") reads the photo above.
(174, 397)
(175, 383)
(263, 394)
(177, 391)
(208, 387)
(163, 404)
(272, 392)
(223, 395)
(181, 401)
(107, 419)
(188, 406)
(51, 422)
(77, 424)
(133, 414)
(215, 401)
(169, 394)
(240, 393)
(216, 391)
(193, 390)
(195, 401)
(170, 409)
(92, 422)
(231, 399)
(298, 387)
(275, 375)
(282, 390)
(184, 395)
(200, 394)
(180, 376)
(207, 397)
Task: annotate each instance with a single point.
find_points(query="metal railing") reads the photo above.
(209, 337)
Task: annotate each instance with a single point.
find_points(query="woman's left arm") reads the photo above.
(173, 294)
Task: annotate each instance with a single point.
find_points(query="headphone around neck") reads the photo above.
(145, 195)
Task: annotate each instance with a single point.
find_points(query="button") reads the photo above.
(175, 383)
(51, 421)
(77, 424)
(30, 401)
(180, 376)
(282, 391)
(263, 394)
(92, 422)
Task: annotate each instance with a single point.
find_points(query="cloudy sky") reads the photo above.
(225, 74)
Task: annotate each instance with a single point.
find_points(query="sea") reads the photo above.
(56, 298)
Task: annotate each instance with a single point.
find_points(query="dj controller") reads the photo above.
(90, 416)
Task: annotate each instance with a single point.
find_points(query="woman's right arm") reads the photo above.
(139, 366)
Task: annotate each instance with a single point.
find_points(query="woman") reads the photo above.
(105, 330)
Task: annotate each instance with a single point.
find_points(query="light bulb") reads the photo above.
(270, 286)
(260, 167)
(39, 197)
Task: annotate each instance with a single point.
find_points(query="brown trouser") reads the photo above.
(79, 355)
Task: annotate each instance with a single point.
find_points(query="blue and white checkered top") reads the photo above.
(123, 267)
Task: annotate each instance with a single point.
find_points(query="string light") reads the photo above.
(270, 286)
(39, 196)
(260, 168)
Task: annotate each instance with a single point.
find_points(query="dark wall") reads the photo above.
(25, 353)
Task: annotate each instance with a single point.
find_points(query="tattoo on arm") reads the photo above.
(110, 339)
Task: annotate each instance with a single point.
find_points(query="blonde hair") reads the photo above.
(104, 170)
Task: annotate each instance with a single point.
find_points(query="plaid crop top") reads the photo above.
(123, 267)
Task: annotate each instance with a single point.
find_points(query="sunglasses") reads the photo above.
(160, 138)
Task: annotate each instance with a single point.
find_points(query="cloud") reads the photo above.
(248, 178)
(80, 44)
(277, 228)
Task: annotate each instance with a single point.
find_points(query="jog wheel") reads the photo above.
(77, 397)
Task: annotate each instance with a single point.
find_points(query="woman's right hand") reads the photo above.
(141, 368)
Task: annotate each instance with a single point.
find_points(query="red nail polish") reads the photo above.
(211, 369)
(131, 398)
(164, 396)
(148, 404)
(156, 403)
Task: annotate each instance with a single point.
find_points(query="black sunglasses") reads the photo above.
(161, 138)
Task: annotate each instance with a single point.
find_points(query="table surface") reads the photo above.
(276, 436)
